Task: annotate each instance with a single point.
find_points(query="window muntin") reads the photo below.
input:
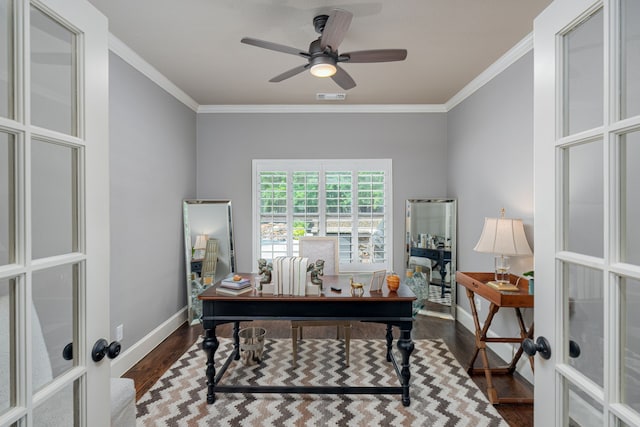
(347, 199)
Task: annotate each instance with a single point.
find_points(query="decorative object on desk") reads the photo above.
(393, 281)
(529, 276)
(251, 345)
(377, 280)
(502, 286)
(504, 237)
(441, 391)
(264, 269)
(317, 271)
(357, 288)
(200, 246)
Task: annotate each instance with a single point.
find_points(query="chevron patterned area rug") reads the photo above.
(441, 392)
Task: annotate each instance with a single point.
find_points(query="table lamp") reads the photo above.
(504, 237)
(200, 246)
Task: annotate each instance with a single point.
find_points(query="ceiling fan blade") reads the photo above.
(376, 55)
(292, 72)
(343, 79)
(274, 46)
(335, 29)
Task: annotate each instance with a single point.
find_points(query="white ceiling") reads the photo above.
(196, 45)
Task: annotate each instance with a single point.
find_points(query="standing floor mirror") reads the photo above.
(430, 237)
(209, 247)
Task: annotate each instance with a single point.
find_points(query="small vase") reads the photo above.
(531, 286)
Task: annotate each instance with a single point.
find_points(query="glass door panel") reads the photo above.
(583, 411)
(54, 200)
(586, 319)
(6, 59)
(630, 198)
(630, 57)
(53, 322)
(7, 199)
(583, 221)
(630, 343)
(7, 344)
(583, 79)
(53, 75)
(61, 409)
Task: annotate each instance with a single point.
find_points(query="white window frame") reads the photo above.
(321, 166)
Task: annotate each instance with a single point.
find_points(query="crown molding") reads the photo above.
(311, 108)
(136, 61)
(504, 62)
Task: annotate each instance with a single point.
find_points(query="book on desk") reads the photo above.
(503, 286)
(233, 292)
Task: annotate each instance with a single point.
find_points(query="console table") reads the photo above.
(476, 284)
(441, 256)
(390, 308)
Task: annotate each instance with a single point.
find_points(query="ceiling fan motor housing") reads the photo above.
(319, 22)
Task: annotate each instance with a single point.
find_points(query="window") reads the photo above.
(349, 199)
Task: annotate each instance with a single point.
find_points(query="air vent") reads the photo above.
(331, 96)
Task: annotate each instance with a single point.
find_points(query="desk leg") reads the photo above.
(236, 339)
(405, 345)
(389, 337)
(523, 334)
(210, 345)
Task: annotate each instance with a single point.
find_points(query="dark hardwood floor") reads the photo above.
(459, 340)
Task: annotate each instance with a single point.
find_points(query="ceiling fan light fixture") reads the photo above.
(323, 66)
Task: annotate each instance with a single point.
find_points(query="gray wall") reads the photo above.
(228, 142)
(490, 157)
(152, 168)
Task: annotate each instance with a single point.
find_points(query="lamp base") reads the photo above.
(502, 269)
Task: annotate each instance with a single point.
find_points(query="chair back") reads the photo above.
(324, 248)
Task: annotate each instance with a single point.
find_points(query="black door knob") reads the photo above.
(67, 352)
(574, 349)
(102, 348)
(540, 346)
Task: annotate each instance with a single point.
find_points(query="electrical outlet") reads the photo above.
(119, 332)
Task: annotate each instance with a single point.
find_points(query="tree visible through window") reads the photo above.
(349, 199)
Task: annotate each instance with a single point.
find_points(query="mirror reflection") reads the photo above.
(209, 247)
(430, 232)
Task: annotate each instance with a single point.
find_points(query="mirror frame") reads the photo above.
(451, 312)
(225, 241)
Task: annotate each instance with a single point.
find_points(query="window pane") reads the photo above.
(584, 75)
(53, 309)
(53, 177)
(630, 198)
(630, 54)
(7, 199)
(53, 75)
(583, 411)
(306, 213)
(61, 407)
(6, 59)
(584, 220)
(7, 344)
(586, 319)
(630, 340)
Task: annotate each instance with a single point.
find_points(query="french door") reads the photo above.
(587, 210)
(54, 228)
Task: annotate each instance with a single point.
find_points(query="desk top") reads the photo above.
(477, 283)
(338, 281)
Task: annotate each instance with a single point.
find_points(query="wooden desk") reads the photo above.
(475, 283)
(390, 308)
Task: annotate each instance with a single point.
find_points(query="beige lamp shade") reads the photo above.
(201, 242)
(504, 236)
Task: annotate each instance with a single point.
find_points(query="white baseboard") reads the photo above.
(128, 358)
(504, 350)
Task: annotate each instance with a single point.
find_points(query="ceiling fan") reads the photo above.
(323, 57)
